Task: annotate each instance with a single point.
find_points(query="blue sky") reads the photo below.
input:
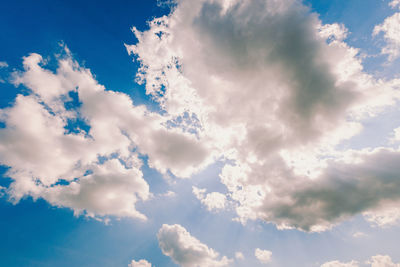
(289, 135)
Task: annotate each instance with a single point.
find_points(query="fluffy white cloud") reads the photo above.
(110, 189)
(382, 261)
(186, 250)
(85, 155)
(340, 264)
(213, 201)
(271, 89)
(141, 263)
(391, 34)
(264, 256)
(384, 215)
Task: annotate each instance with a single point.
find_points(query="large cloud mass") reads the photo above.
(274, 91)
(260, 85)
(77, 145)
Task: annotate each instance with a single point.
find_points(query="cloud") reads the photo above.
(394, 3)
(391, 34)
(262, 86)
(239, 255)
(187, 251)
(141, 263)
(110, 189)
(340, 264)
(368, 183)
(77, 145)
(385, 215)
(264, 256)
(213, 201)
(272, 91)
(375, 261)
(3, 64)
(359, 235)
(382, 261)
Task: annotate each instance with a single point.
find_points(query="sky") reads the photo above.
(200, 133)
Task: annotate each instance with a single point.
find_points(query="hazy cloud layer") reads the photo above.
(374, 261)
(340, 264)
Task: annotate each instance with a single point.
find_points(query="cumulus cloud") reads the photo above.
(77, 145)
(382, 261)
(264, 256)
(391, 34)
(261, 85)
(187, 251)
(273, 91)
(140, 263)
(213, 201)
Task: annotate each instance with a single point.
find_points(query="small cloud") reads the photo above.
(394, 3)
(340, 264)
(359, 234)
(264, 256)
(3, 64)
(382, 261)
(213, 201)
(141, 263)
(187, 251)
(390, 34)
(239, 255)
(169, 194)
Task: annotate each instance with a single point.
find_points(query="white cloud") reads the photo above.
(359, 234)
(333, 32)
(111, 189)
(239, 255)
(382, 261)
(169, 194)
(387, 214)
(68, 168)
(261, 85)
(391, 33)
(187, 251)
(264, 256)
(213, 201)
(340, 264)
(140, 263)
(3, 64)
(272, 90)
(394, 3)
